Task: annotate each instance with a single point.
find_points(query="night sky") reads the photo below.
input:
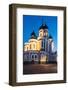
(32, 22)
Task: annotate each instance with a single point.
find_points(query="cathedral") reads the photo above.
(39, 49)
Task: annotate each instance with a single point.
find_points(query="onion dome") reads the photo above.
(50, 37)
(33, 35)
(43, 26)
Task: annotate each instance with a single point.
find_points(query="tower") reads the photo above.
(33, 35)
(33, 41)
(43, 36)
(43, 31)
(50, 41)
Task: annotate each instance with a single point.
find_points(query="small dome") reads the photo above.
(33, 35)
(43, 26)
(50, 37)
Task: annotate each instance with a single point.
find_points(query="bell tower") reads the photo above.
(43, 31)
(43, 36)
(50, 41)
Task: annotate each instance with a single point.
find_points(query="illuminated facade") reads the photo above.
(40, 49)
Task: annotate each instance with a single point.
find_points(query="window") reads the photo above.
(33, 45)
(30, 46)
(32, 56)
(35, 56)
(42, 43)
(40, 34)
(27, 48)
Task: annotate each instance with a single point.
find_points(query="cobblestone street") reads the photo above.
(39, 68)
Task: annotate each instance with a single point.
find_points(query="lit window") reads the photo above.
(40, 34)
(42, 43)
(30, 46)
(27, 48)
(33, 45)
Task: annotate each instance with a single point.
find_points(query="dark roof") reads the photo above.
(33, 35)
(50, 37)
(43, 26)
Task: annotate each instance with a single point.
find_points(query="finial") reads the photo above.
(43, 23)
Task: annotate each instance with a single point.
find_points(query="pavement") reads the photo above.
(39, 68)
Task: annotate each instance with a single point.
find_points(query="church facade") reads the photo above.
(39, 49)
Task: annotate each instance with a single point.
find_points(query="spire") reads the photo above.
(43, 23)
(43, 26)
(33, 35)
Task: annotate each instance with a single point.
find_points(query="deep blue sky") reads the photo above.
(32, 21)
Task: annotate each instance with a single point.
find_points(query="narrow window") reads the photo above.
(35, 56)
(40, 34)
(34, 46)
(42, 43)
(30, 46)
(32, 56)
(27, 48)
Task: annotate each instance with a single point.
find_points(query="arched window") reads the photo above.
(35, 56)
(30, 46)
(42, 44)
(34, 46)
(40, 34)
(32, 56)
(27, 48)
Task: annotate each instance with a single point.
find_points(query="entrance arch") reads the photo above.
(34, 58)
(44, 59)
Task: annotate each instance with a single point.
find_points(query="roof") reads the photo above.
(43, 26)
(33, 35)
(50, 37)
